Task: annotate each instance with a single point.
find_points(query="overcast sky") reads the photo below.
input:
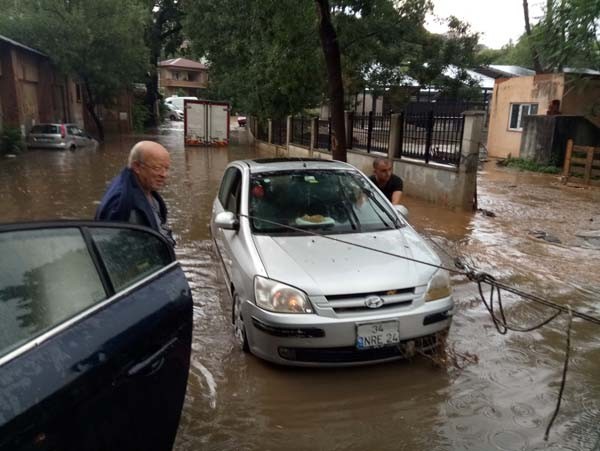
(498, 20)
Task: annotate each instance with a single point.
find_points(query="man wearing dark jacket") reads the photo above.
(132, 196)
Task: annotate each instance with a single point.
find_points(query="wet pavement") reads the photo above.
(502, 400)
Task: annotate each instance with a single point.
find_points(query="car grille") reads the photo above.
(356, 303)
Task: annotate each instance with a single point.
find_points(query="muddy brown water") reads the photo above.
(501, 402)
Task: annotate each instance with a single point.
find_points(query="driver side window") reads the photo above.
(230, 192)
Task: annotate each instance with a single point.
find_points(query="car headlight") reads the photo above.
(439, 286)
(279, 297)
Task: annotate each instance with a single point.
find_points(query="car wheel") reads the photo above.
(73, 147)
(172, 117)
(239, 329)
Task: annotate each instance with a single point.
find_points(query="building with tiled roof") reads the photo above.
(181, 76)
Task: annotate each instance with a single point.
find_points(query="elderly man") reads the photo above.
(133, 195)
(389, 183)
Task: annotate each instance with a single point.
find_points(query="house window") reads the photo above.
(518, 111)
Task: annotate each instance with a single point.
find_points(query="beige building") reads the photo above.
(181, 76)
(517, 97)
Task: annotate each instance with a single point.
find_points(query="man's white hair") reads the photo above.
(136, 153)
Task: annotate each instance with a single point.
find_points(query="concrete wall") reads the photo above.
(540, 89)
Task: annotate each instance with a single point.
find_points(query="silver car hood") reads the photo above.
(320, 266)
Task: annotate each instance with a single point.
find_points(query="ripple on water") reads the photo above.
(508, 440)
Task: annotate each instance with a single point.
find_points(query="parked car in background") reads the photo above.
(95, 337)
(59, 136)
(173, 113)
(241, 120)
(303, 299)
(178, 102)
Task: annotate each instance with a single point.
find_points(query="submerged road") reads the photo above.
(502, 399)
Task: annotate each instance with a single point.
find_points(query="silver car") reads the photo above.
(59, 136)
(298, 243)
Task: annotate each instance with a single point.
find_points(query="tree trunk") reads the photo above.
(90, 104)
(331, 50)
(536, 57)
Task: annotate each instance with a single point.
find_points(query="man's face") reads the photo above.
(153, 170)
(383, 172)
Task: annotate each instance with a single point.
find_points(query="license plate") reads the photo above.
(377, 335)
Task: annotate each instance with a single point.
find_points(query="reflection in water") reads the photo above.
(235, 401)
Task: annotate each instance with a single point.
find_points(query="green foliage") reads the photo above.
(11, 140)
(139, 115)
(529, 165)
(100, 41)
(264, 54)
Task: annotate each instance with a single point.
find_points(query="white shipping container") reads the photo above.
(206, 123)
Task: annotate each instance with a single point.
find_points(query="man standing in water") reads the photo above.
(390, 184)
(132, 196)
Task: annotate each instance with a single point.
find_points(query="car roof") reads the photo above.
(286, 164)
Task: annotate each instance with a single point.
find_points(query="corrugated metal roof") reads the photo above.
(23, 46)
(512, 71)
(585, 71)
(183, 63)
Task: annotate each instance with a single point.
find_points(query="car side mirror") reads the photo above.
(227, 220)
(402, 210)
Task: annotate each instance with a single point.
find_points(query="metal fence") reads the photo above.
(262, 130)
(371, 133)
(432, 137)
(300, 131)
(324, 134)
(279, 132)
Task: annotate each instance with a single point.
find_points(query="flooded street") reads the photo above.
(501, 401)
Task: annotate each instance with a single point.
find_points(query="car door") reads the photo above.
(95, 337)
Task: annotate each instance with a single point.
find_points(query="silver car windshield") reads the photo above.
(317, 200)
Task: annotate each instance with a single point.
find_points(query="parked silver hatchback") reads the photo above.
(59, 136)
(306, 247)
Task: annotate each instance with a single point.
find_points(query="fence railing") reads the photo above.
(300, 131)
(324, 134)
(371, 133)
(279, 132)
(582, 162)
(262, 130)
(431, 137)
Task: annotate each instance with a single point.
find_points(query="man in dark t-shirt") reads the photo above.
(389, 183)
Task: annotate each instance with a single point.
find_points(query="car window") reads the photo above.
(72, 130)
(46, 277)
(229, 187)
(317, 200)
(45, 129)
(130, 255)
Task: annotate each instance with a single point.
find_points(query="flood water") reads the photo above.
(501, 400)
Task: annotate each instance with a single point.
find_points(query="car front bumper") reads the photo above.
(316, 340)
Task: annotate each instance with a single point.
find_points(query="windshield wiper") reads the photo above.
(371, 195)
(352, 217)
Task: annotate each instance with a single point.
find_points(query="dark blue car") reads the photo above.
(95, 337)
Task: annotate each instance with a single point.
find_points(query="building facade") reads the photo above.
(33, 91)
(183, 77)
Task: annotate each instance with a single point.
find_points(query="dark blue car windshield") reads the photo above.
(317, 200)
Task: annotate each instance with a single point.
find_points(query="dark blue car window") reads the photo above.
(46, 277)
(130, 255)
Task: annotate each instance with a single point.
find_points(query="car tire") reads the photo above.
(239, 328)
(72, 147)
(172, 117)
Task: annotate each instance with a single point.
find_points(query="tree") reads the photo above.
(99, 41)
(263, 55)
(163, 32)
